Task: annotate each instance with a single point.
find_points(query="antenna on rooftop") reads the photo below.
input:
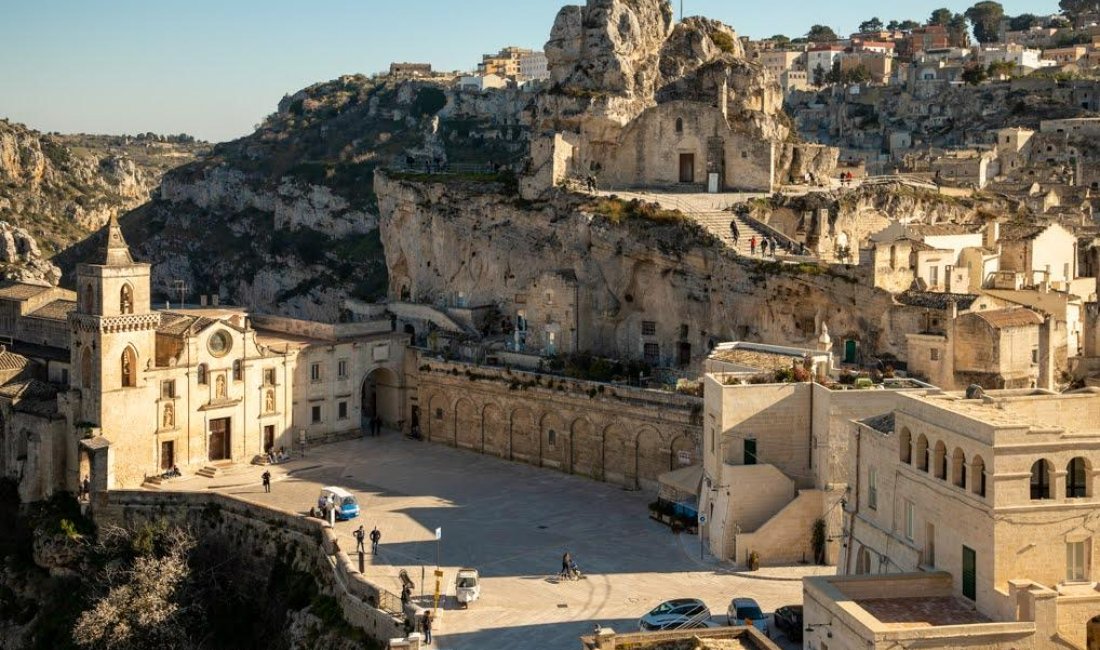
(681, 10)
(181, 288)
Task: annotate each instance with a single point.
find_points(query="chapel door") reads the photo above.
(269, 438)
(167, 455)
(687, 168)
(219, 439)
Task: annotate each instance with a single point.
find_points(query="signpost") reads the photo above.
(438, 571)
(702, 520)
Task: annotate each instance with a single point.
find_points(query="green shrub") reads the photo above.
(724, 41)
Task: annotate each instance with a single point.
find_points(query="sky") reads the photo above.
(215, 68)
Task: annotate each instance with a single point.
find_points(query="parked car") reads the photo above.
(788, 620)
(678, 614)
(345, 503)
(745, 611)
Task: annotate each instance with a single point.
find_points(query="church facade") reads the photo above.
(143, 391)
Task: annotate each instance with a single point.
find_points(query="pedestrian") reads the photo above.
(566, 562)
(267, 481)
(375, 537)
(406, 596)
(427, 626)
(752, 245)
(763, 247)
(360, 537)
(86, 488)
(733, 232)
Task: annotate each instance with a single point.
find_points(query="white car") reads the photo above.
(678, 614)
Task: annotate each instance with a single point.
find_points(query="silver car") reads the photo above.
(678, 614)
(745, 611)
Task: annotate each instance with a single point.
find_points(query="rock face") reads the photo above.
(20, 258)
(445, 239)
(61, 188)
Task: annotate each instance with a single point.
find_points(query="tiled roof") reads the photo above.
(12, 361)
(56, 310)
(178, 324)
(28, 389)
(21, 291)
(936, 300)
(1005, 318)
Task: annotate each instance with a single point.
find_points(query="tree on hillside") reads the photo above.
(1077, 7)
(821, 34)
(941, 17)
(986, 17)
(780, 39)
(908, 25)
(1024, 22)
(958, 31)
(873, 25)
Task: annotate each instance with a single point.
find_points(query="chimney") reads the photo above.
(1046, 354)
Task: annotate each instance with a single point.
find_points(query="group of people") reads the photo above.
(766, 244)
(375, 537)
(274, 457)
(846, 178)
(374, 426)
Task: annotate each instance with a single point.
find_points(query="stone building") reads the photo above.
(144, 391)
(969, 517)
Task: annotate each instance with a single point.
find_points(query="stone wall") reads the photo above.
(607, 432)
(305, 543)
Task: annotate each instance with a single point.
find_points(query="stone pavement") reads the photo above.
(512, 522)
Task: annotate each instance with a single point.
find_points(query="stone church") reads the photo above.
(102, 385)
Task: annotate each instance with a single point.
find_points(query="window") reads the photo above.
(652, 353)
(872, 488)
(744, 154)
(934, 354)
(1077, 557)
(922, 453)
(910, 520)
(1035, 356)
(679, 125)
(933, 276)
(977, 480)
(269, 376)
(238, 370)
(552, 439)
(929, 554)
(649, 328)
(958, 468)
(342, 368)
(1077, 473)
(316, 415)
(128, 365)
(168, 389)
(315, 372)
(905, 446)
(439, 414)
(126, 300)
(1040, 480)
(201, 374)
(342, 410)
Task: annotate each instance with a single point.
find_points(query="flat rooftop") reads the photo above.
(930, 611)
(1041, 410)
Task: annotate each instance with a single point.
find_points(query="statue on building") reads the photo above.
(269, 401)
(219, 387)
(169, 417)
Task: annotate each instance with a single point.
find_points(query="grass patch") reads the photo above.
(617, 211)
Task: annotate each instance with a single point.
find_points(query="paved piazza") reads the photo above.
(512, 522)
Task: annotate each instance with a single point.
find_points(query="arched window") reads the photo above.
(1040, 480)
(552, 438)
(958, 468)
(977, 476)
(238, 372)
(863, 562)
(679, 125)
(129, 368)
(905, 446)
(939, 461)
(126, 300)
(922, 453)
(89, 298)
(86, 368)
(1077, 478)
(201, 374)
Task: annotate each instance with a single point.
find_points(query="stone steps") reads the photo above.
(208, 472)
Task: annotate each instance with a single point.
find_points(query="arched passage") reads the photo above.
(467, 425)
(649, 459)
(618, 455)
(494, 431)
(587, 449)
(438, 419)
(554, 442)
(523, 438)
(380, 395)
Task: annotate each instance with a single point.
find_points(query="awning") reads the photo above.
(686, 479)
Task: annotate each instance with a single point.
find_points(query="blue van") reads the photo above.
(347, 506)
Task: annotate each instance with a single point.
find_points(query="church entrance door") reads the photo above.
(687, 168)
(219, 439)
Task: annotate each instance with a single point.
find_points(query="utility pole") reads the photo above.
(681, 10)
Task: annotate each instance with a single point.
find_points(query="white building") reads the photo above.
(533, 66)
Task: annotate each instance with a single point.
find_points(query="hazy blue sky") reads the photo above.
(214, 68)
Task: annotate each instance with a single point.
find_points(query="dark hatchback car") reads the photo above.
(788, 620)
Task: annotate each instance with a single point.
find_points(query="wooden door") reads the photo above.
(269, 437)
(219, 439)
(970, 574)
(687, 168)
(167, 455)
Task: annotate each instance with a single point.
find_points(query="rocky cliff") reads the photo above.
(444, 238)
(60, 188)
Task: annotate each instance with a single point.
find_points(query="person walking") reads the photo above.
(360, 538)
(566, 563)
(763, 247)
(427, 625)
(267, 480)
(86, 488)
(752, 245)
(734, 233)
(375, 537)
